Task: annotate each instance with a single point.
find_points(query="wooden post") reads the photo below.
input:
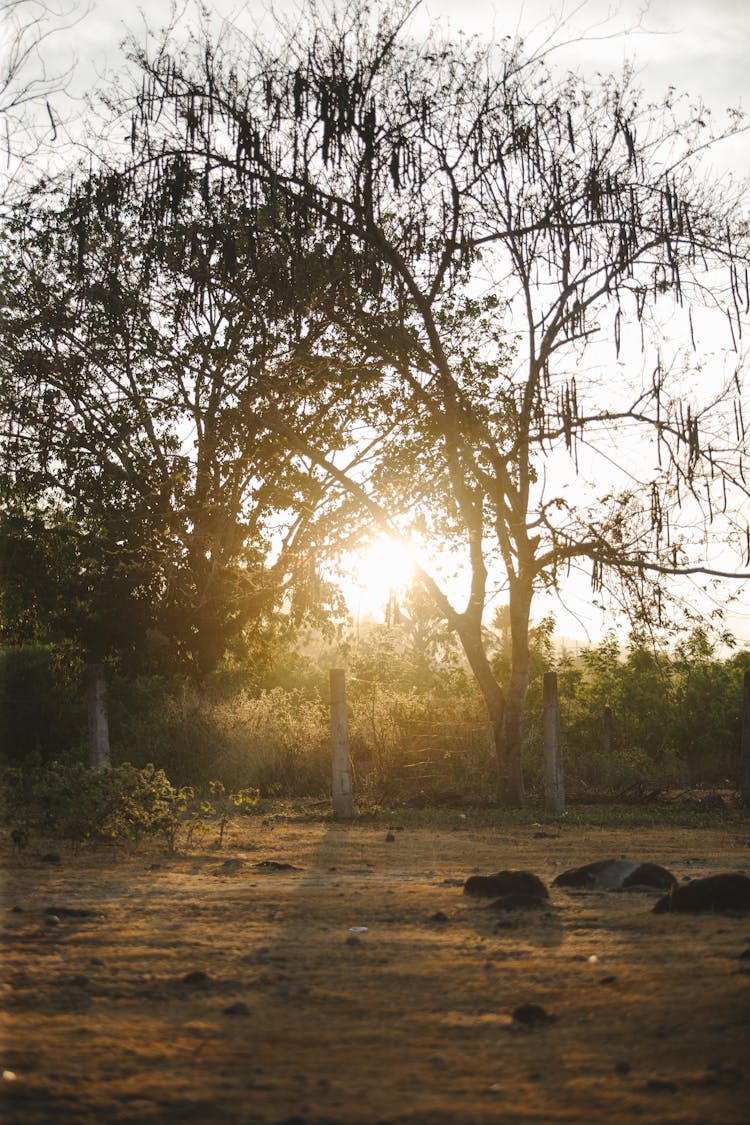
(607, 731)
(554, 782)
(745, 740)
(96, 690)
(342, 778)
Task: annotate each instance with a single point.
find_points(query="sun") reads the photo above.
(384, 569)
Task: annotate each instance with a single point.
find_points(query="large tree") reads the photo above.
(134, 355)
(503, 247)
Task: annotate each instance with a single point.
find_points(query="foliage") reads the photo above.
(40, 713)
(77, 803)
(407, 174)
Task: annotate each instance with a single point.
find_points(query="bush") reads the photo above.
(78, 803)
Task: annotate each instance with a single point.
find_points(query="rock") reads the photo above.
(506, 883)
(51, 857)
(438, 916)
(52, 919)
(622, 1066)
(197, 976)
(616, 874)
(353, 939)
(532, 1015)
(390, 837)
(239, 1008)
(518, 901)
(275, 865)
(661, 1086)
(727, 891)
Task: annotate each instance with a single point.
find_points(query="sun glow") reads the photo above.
(383, 571)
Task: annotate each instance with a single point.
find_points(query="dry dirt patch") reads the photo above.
(226, 987)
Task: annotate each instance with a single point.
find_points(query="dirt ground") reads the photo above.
(216, 987)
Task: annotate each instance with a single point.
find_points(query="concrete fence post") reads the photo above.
(554, 780)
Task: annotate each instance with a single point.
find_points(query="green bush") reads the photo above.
(78, 803)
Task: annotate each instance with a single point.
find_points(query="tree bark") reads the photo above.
(96, 687)
(510, 750)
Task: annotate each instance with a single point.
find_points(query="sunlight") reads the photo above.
(384, 568)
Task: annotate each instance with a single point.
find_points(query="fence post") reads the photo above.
(745, 739)
(96, 690)
(554, 781)
(342, 778)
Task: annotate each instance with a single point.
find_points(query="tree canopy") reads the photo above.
(464, 263)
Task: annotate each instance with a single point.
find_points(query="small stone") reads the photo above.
(608, 979)
(196, 976)
(661, 1086)
(16, 910)
(231, 864)
(353, 939)
(79, 980)
(532, 1015)
(239, 1008)
(52, 919)
(622, 1066)
(744, 956)
(390, 837)
(51, 857)
(439, 916)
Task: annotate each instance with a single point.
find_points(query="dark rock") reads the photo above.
(518, 901)
(532, 1015)
(239, 1008)
(506, 883)
(52, 919)
(353, 939)
(616, 874)
(745, 955)
(16, 909)
(79, 980)
(622, 1066)
(390, 837)
(661, 1086)
(275, 865)
(546, 835)
(438, 916)
(197, 976)
(727, 891)
(51, 857)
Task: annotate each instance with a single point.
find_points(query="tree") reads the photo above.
(497, 238)
(133, 447)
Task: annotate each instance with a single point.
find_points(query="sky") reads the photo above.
(700, 47)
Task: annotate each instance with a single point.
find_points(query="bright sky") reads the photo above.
(700, 47)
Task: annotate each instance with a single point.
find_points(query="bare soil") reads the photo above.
(192, 989)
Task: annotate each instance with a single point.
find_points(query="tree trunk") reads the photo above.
(510, 768)
(96, 685)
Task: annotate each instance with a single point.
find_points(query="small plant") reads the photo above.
(75, 802)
